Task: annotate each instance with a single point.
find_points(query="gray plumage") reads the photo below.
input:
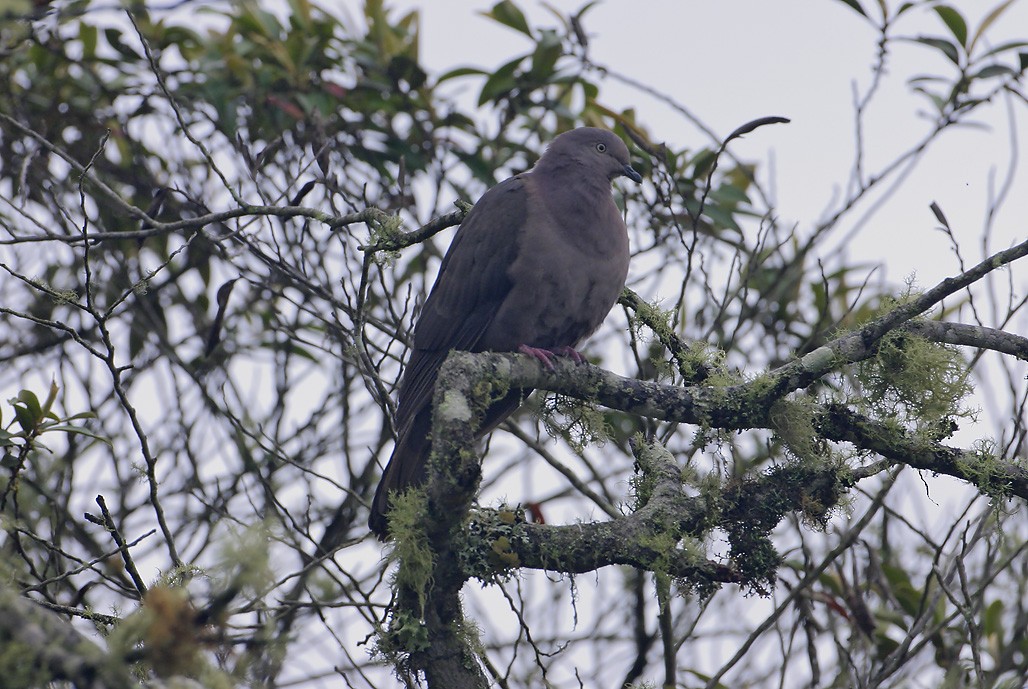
(538, 262)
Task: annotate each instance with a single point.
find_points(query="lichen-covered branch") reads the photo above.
(664, 533)
(991, 475)
(656, 535)
(37, 647)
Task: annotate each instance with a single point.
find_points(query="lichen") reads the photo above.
(579, 423)
(410, 543)
(18, 669)
(164, 628)
(916, 381)
(386, 230)
(698, 361)
(455, 407)
(984, 468)
(792, 419)
(488, 551)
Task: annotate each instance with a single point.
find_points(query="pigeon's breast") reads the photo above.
(568, 271)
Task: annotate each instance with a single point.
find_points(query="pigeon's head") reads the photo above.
(589, 151)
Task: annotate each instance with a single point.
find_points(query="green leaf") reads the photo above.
(500, 82)
(113, 37)
(884, 645)
(1003, 47)
(994, 70)
(992, 620)
(292, 349)
(508, 14)
(403, 68)
(831, 581)
(855, 6)
(31, 402)
(558, 15)
(589, 90)
(721, 217)
(702, 161)
(954, 22)
(50, 399)
(902, 588)
(926, 78)
(82, 415)
(545, 56)
(588, 6)
(25, 419)
(185, 40)
(88, 34)
(729, 194)
(460, 72)
(268, 24)
(947, 48)
(78, 430)
(991, 17)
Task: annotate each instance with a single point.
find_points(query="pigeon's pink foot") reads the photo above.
(571, 353)
(543, 355)
(546, 355)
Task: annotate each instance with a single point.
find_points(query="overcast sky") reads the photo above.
(732, 61)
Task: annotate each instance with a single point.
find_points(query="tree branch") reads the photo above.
(49, 646)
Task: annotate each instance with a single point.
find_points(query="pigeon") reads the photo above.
(535, 267)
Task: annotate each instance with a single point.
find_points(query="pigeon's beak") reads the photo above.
(630, 172)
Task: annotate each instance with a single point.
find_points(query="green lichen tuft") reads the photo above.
(698, 361)
(410, 543)
(386, 230)
(470, 636)
(702, 356)
(407, 634)
(244, 560)
(61, 296)
(651, 316)
(984, 468)
(753, 508)
(578, 422)
(756, 559)
(495, 387)
(793, 422)
(920, 383)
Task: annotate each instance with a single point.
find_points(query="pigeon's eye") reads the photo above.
(601, 147)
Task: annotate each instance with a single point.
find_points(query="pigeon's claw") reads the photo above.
(571, 353)
(546, 355)
(543, 355)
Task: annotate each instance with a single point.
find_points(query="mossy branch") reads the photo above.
(40, 647)
(650, 537)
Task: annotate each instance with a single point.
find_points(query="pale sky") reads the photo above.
(733, 61)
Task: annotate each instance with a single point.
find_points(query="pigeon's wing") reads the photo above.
(472, 285)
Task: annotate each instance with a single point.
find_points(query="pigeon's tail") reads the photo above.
(408, 466)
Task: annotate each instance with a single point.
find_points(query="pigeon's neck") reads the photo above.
(571, 181)
(578, 203)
